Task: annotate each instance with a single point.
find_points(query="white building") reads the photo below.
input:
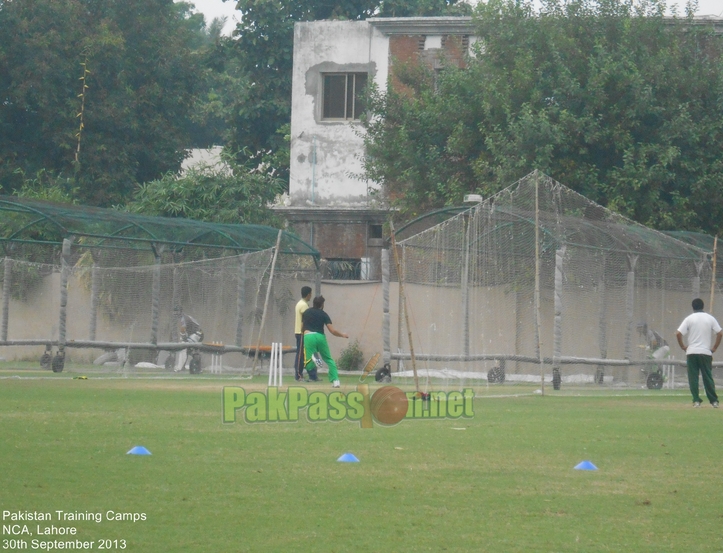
(330, 205)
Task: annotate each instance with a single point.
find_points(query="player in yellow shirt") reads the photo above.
(301, 306)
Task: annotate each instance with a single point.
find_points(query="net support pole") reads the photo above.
(240, 295)
(557, 325)
(176, 304)
(538, 316)
(266, 301)
(406, 313)
(156, 296)
(64, 275)
(401, 303)
(630, 305)
(695, 288)
(465, 289)
(602, 322)
(94, 288)
(712, 275)
(386, 318)
(7, 283)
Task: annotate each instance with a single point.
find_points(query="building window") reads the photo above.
(343, 95)
(343, 269)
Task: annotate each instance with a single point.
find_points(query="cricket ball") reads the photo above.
(389, 405)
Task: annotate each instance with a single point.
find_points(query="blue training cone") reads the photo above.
(139, 450)
(585, 465)
(348, 458)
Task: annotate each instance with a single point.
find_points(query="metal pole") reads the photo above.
(386, 318)
(7, 283)
(557, 331)
(64, 274)
(712, 276)
(538, 317)
(465, 289)
(94, 288)
(240, 296)
(630, 305)
(156, 299)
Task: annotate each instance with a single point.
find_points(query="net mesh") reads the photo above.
(116, 304)
(611, 292)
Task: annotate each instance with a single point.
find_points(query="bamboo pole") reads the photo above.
(266, 301)
(406, 311)
(712, 276)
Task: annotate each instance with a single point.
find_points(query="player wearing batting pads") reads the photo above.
(313, 321)
(698, 329)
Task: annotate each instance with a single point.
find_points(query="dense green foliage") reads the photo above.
(141, 84)
(618, 103)
(224, 193)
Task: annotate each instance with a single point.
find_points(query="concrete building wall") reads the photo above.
(325, 155)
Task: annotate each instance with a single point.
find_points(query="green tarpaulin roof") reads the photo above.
(39, 222)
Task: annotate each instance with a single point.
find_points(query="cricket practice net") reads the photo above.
(99, 301)
(540, 282)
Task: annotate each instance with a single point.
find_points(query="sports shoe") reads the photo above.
(336, 384)
(696, 404)
(715, 405)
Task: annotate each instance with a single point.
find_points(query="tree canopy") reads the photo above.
(607, 96)
(120, 72)
(222, 193)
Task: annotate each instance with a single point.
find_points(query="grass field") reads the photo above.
(502, 481)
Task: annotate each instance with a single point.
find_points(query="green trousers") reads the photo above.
(313, 343)
(701, 364)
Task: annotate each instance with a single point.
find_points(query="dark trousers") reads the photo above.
(703, 365)
(299, 361)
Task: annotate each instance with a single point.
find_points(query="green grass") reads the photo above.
(500, 482)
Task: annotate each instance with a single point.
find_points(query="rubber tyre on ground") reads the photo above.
(599, 376)
(194, 367)
(496, 375)
(383, 374)
(654, 381)
(58, 363)
(46, 361)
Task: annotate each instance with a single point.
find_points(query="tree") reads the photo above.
(616, 101)
(225, 193)
(141, 83)
(264, 47)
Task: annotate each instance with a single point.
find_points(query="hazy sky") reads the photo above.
(219, 8)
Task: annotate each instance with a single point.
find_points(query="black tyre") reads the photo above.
(383, 374)
(655, 381)
(599, 376)
(496, 375)
(46, 361)
(58, 363)
(194, 367)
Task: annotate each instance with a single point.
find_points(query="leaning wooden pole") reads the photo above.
(266, 301)
(406, 311)
(712, 276)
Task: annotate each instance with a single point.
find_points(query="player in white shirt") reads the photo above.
(698, 329)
